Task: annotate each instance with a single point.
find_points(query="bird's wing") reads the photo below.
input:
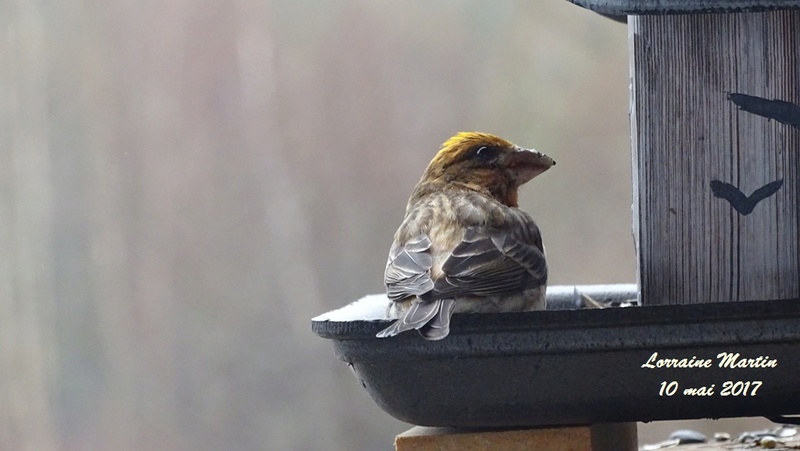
(408, 269)
(728, 191)
(765, 191)
(492, 262)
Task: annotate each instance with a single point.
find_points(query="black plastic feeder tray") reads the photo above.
(583, 366)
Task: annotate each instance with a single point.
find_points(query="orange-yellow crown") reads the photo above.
(463, 141)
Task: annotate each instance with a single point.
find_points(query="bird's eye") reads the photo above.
(487, 152)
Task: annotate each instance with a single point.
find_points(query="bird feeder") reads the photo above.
(715, 134)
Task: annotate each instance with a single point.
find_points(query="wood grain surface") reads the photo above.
(732, 243)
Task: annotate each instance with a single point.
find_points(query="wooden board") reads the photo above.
(599, 437)
(701, 233)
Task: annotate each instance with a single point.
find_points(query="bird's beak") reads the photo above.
(525, 164)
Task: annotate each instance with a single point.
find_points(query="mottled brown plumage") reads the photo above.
(464, 246)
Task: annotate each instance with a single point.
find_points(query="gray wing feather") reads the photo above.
(487, 264)
(439, 326)
(408, 269)
(431, 319)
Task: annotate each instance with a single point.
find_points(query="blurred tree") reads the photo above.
(27, 345)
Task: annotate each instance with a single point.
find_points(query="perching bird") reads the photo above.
(464, 244)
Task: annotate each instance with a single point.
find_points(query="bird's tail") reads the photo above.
(431, 319)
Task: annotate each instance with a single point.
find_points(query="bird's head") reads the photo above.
(486, 163)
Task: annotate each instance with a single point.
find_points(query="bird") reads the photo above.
(464, 244)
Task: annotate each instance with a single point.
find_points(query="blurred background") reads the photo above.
(183, 185)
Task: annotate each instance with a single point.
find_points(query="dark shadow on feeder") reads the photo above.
(782, 111)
